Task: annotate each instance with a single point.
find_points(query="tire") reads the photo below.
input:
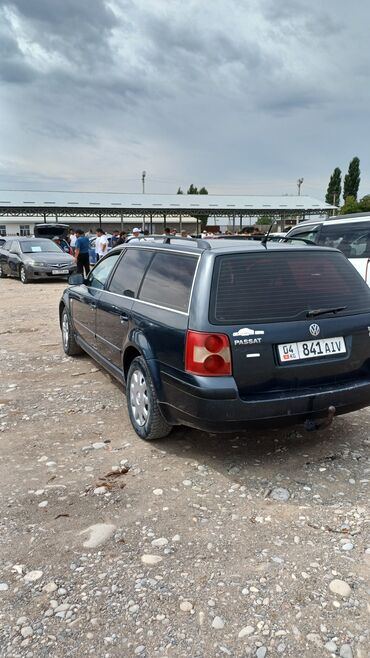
(70, 346)
(23, 275)
(2, 273)
(142, 403)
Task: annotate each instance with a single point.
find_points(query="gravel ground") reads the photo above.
(196, 546)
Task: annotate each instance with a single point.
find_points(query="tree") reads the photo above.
(264, 220)
(364, 203)
(203, 190)
(334, 188)
(350, 206)
(179, 191)
(352, 180)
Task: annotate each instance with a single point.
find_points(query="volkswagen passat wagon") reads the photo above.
(219, 335)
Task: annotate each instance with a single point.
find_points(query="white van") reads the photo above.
(349, 233)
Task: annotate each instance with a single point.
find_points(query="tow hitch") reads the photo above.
(312, 425)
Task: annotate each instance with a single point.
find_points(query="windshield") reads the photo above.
(37, 246)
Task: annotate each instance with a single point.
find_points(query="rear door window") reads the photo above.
(130, 270)
(353, 240)
(279, 286)
(168, 281)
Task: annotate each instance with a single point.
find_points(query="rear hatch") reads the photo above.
(296, 319)
(51, 230)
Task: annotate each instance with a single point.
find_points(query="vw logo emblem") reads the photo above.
(314, 329)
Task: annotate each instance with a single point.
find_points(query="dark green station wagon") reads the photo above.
(219, 335)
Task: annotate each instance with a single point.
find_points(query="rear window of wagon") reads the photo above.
(279, 286)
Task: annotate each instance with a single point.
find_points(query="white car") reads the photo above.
(348, 233)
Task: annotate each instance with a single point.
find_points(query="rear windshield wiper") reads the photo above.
(321, 311)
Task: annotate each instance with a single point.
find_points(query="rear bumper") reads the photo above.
(217, 407)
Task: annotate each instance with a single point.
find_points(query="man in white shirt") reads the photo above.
(72, 239)
(101, 243)
(136, 233)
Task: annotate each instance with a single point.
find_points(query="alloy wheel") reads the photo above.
(139, 400)
(65, 330)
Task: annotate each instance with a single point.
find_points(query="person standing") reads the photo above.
(136, 235)
(115, 238)
(72, 239)
(122, 237)
(82, 253)
(101, 243)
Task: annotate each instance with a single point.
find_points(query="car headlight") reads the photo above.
(34, 263)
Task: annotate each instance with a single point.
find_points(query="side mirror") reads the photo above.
(76, 279)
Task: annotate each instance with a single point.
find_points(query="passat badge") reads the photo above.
(247, 336)
(314, 329)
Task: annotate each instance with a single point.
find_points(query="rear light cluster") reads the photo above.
(207, 354)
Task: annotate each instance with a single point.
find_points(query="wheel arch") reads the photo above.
(139, 346)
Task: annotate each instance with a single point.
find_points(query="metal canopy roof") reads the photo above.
(28, 203)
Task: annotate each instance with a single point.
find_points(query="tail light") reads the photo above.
(207, 354)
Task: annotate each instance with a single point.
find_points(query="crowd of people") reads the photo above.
(77, 243)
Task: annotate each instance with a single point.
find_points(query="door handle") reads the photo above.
(124, 318)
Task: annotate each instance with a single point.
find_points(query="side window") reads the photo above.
(99, 275)
(353, 240)
(168, 281)
(14, 247)
(129, 273)
(307, 233)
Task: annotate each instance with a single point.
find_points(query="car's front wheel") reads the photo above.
(142, 403)
(23, 274)
(70, 345)
(2, 273)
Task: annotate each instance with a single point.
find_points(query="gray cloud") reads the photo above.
(224, 93)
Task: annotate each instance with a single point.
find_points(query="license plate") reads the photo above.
(309, 349)
(60, 272)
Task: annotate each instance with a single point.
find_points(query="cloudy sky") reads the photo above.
(243, 96)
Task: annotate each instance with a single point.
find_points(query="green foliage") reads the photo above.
(350, 206)
(263, 220)
(364, 203)
(352, 180)
(179, 191)
(203, 190)
(334, 188)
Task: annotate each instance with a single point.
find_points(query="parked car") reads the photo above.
(219, 335)
(31, 258)
(350, 234)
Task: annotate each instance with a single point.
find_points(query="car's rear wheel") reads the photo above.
(2, 273)
(142, 403)
(70, 345)
(23, 275)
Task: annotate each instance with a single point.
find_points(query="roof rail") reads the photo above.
(167, 239)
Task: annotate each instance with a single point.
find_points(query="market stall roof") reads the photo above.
(32, 203)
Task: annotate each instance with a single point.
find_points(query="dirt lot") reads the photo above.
(249, 545)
